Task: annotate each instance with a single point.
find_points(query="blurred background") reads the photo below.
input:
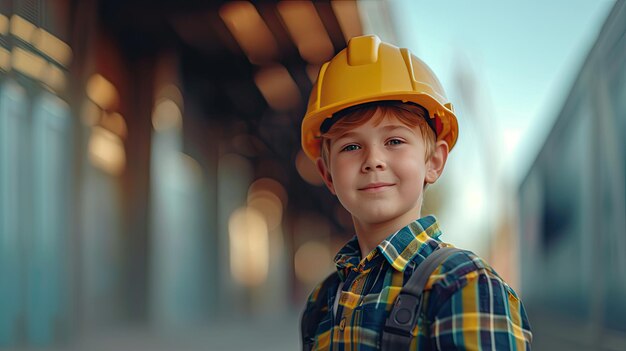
(154, 196)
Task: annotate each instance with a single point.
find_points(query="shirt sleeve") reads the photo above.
(309, 306)
(481, 313)
(315, 315)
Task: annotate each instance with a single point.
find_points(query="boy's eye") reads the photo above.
(395, 142)
(350, 147)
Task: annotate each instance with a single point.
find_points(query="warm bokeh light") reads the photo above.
(307, 30)
(102, 92)
(312, 262)
(52, 46)
(4, 24)
(249, 246)
(269, 197)
(106, 151)
(269, 205)
(268, 184)
(90, 113)
(5, 59)
(115, 122)
(307, 169)
(166, 115)
(278, 88)
(347, 13)
(54, 77)
(28, 63)
(22, 28)
(171, 92)
(250, 31)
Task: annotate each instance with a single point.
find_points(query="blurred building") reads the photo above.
(573, 209)
(151, 177)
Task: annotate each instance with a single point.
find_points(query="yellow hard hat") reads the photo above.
(370, 70)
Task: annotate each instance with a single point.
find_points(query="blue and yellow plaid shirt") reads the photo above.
(467, 306)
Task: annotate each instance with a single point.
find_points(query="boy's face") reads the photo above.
(378, 172)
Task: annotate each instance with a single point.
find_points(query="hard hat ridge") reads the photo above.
(363, 50)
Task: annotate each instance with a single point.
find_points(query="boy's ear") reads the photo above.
(325, 173)
(436, 162)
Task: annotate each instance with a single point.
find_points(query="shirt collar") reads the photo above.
(419, 237)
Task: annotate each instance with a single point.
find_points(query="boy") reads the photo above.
(379, 128)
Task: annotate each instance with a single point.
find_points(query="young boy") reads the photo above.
(379, 128)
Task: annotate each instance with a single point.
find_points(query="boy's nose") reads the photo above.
(373, 162)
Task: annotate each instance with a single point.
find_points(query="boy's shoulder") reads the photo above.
(457, 265)
(462, 269)
(453, 273)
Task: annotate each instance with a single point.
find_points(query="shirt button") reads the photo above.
(342, 324)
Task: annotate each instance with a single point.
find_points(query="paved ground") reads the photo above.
(560, 333)
(551, 332)
(277, 334)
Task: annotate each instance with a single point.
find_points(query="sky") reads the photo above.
(520, 57)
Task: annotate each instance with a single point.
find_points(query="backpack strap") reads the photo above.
(407, 307)
(310, 321)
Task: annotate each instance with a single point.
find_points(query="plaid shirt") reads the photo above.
(467, 305)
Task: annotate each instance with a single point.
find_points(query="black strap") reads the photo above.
(311, 320)
(407, 308)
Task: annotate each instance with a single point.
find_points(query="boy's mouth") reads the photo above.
(373, 187)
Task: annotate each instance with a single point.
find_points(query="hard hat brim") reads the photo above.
(311, 141)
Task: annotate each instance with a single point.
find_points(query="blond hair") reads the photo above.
(410, 115)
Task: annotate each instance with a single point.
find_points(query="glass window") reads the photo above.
(565, 217)
(613, 169)
(48, 247)
(13, 109)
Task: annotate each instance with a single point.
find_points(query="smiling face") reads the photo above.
(378, 169)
